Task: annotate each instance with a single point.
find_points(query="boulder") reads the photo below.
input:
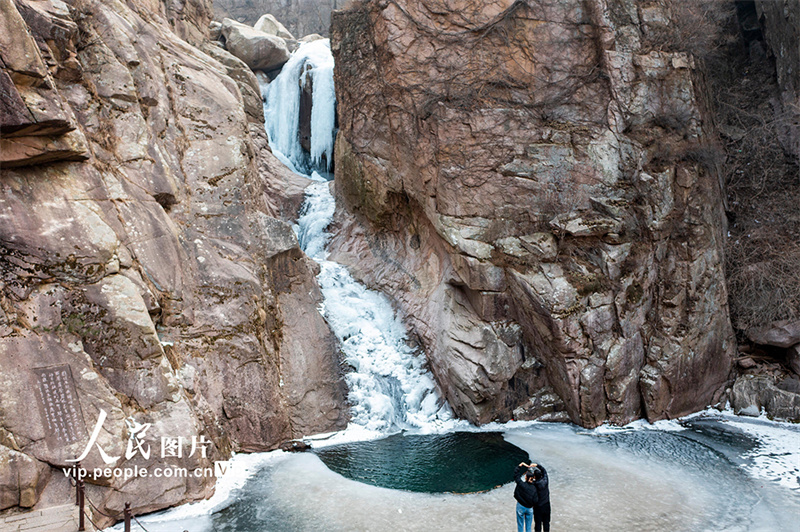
(259, 50)
(214, 30)
(311, 37)
(270, 25)
(746, 363)
(784, 333)
(753, 394)
(22, 479)
(301, 17)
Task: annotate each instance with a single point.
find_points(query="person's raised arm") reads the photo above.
(518, 472)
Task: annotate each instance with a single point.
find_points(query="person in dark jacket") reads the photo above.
(526, 496)
(541, 510)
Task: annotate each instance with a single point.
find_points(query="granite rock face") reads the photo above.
(35, 123)
(145, 254)
(526, 179)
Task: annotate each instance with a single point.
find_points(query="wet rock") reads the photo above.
(306, 101)
(295, 446)
(259, 51)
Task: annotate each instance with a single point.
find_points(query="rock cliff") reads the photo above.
(531, 182)
(145, 258)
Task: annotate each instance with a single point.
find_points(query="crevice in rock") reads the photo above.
(166, 200)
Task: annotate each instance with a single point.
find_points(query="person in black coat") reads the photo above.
(526, 495)
(541, 510)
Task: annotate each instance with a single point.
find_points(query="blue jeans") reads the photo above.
(524, 518)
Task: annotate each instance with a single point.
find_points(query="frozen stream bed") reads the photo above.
(711, 472)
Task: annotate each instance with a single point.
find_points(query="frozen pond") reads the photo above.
(712, 473)
(456, 462)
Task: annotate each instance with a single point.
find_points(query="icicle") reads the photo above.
(323, 115)
(282, 107)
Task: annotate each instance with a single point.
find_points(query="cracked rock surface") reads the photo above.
(526, 180)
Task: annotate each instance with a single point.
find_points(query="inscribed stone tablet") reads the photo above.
(58, 403)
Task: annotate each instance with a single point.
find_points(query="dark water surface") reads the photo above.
(460, 462)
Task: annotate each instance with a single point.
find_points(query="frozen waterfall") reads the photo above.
(389, 386)
(708, 472)
(311, 61)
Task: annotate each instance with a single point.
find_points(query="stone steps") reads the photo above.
(53, 519)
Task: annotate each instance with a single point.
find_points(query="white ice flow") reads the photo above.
(389, 386)
(282, 106)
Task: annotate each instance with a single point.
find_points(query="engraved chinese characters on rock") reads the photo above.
(59, 406)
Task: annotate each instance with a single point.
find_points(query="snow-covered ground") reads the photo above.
(639, 477)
